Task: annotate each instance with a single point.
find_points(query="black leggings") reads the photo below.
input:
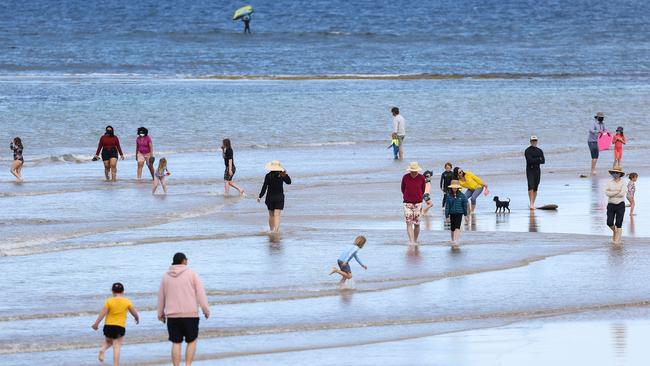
(455, 220)
(615, 212)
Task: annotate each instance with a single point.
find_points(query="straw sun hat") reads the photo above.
(454, 184)
(414, 167)
(617, 169)
(274, 166)
(600, 114)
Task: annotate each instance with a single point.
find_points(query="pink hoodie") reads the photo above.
(181, 292)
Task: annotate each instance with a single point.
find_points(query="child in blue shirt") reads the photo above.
(345, 258)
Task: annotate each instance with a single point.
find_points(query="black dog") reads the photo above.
(501, 205)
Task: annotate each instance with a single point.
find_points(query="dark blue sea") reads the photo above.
(314, 38)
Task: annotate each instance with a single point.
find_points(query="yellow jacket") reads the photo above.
(470, 181)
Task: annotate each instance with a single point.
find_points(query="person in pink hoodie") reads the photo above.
(181, 293)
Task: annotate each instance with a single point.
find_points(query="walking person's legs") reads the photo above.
(113, 162)
(16, 168)
(611, 209)
(117, 345)
(401, 147)
(271, 220)
(107, 169)
(631, 200)
(276, 220)
(163, 183)
(176, 353)
(140, 166)
(155, 185)
(416, 233)
(190, 351)
(593, 149)
(150, 166)
(105, 346)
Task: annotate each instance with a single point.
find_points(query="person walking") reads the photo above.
(273, 187)
(616, 192)
(16, 145)
(247, 23)
(144, 152)
(597, 128)
(181, 293)
(455, 209)
(109, 145)
(534, 158)
(229, 172)
(399, 128)
(618, 141)
(413, 187)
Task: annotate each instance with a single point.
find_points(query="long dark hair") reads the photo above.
(226, 143)
(456, 169)
(18, 142)
(112, 133)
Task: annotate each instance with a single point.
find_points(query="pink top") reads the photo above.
(143, 144)
(181, 293)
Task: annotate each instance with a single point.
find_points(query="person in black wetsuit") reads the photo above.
(274, 190)
(247, 23)
(534, 158)
(445, 181)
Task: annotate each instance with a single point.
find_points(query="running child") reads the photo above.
(618, 141)
(160, 175)
(394, 143)
(455, 208)
(16, 145)
(345, 258)
(631, 188)
(427, 191)
(114, 310)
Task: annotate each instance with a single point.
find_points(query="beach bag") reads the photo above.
(605, 140)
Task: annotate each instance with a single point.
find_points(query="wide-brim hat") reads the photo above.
(533, 138)
(274, 166)
(600, 114)
(414, 167)
(617, 169)
(454, 184)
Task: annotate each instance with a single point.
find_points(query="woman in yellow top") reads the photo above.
(474, 185)
(114, 310)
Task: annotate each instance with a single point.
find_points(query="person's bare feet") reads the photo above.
(455, 247)
(101, 356)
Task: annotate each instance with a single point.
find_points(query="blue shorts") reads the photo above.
(344, 267)
(593, 149)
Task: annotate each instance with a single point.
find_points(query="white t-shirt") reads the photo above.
(399, 125)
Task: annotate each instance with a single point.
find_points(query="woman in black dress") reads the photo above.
(274, 190)
(229, 172)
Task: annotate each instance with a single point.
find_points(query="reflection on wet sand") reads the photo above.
(413, 254)
(619, 341)
(532, 222)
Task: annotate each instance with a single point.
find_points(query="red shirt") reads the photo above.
(413, 188)
(109, 143)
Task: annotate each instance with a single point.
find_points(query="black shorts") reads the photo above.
(344, 267)
(228, 177)
(179, 328)
(455, 220)
(593, 149)
(533, 176)
(275, 204)
(615, 214)
(114, 331)
(109, 154)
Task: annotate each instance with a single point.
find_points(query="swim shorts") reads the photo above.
(228, 177)
(114, 331)
(143, 157)
(455, 221)
(593, 149)
(344, 267)
(179, 328)
(533, 176)
(412, 213)
(109, 154)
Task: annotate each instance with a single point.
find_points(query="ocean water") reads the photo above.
(312, 87)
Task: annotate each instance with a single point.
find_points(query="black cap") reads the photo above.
(118, 288)
(179, 258)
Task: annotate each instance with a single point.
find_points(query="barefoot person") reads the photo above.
(474, 185)
(160, 176)
(631, 189)
(594, 133)
(229, 173)
(181, 293)
(16, 145)
(144, 151)
(534, 158)
(273, 187)
(114, 310)
(616, 192)
(413, 187)
(455, 209)
(399, 128)
(345, 258)
(109, 145)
